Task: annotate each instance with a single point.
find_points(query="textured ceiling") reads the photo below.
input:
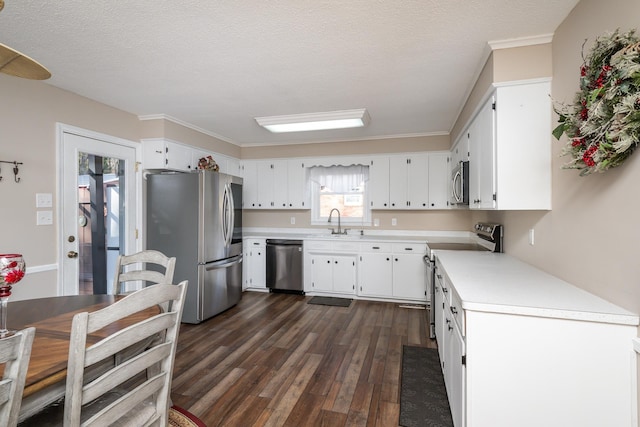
(218, 64)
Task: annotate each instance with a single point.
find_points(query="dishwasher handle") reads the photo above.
(283, 242)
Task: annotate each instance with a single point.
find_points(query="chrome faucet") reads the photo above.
(333, 231)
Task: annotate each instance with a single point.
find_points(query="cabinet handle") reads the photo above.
(387, 258)
(376, 247)
(396, 259)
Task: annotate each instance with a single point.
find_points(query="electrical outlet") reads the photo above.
(531, 236)
(44, 200)
(44, 218)
(394, 221)
(376, 222)
(293, 220)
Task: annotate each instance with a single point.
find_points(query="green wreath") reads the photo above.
(603, 122)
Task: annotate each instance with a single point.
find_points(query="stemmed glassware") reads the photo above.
(12, 267)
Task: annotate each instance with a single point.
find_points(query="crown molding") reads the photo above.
(520, 41)
(186, 125)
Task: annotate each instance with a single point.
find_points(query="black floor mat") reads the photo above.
(338, 302)
(423, 397)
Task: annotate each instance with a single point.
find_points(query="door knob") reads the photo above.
(72, 254)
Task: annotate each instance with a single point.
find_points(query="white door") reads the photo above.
(98, 208)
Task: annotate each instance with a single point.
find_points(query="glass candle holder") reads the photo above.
(12, 268)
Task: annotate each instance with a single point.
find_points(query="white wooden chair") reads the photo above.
(110, 398)
(15, 352)
(125, 274)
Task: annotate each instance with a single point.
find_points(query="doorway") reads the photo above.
(98, 189)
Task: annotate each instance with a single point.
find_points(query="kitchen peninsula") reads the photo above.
(522, 347)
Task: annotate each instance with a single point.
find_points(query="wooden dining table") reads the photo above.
(52, 317)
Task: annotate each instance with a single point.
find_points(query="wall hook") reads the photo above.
(15, 172)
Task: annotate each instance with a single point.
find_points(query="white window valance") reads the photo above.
(340, 179)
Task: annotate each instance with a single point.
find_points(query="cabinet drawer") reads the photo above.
(456, 310)
(410, 248)
(317, 245)
(375, 247)
(345, 246)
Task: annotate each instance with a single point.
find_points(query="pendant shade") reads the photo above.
(17, 64)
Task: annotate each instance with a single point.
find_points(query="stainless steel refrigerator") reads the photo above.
(197, 218)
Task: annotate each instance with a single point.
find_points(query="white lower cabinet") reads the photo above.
(409, 271)
(392, 271)
(254, 264)
(375, 270)
(503, 368)
(330, 267)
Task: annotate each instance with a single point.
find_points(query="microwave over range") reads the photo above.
(459, 184)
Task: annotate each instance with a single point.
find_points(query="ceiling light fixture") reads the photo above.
(315, 121)
(17, 64)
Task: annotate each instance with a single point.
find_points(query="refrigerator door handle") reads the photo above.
(225, 263)
(227, 215)
(232, 214)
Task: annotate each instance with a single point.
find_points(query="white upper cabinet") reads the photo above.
(409, 181)
(438, 180)
(298, 185)
(274, 184)
(404, 181)
(379, 183)
(509, 149)
(160, 154)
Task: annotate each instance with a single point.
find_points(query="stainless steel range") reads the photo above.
(487, 237)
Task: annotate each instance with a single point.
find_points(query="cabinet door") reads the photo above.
(379, 183)
(265, 184)
(322, 273)
(280, 184)
(255, 263)
(375, 274)
(398, 166)
(409, 277)
(438, 308)
(249, 184)
(178, 157)
(456, 375)
(298, 185)
(482, 158)
(344, 274)
(438, 180)
(417, 181)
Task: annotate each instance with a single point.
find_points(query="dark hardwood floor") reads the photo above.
(274, 360)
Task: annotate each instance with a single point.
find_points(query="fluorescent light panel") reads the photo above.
(315, 121)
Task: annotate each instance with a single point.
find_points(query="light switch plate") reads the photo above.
(44, 218)
(44, 200)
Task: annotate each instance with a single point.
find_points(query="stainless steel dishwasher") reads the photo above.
(284, 265)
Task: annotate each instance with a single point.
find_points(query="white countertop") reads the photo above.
(355, 236)
(494, 282)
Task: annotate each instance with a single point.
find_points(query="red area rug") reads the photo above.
(179, 417)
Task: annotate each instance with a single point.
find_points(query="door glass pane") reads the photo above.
(100, 220)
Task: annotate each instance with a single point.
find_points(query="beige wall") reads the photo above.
(505, 65)
(590, 238)
(388, 145)
(28, 116)
(406, 220)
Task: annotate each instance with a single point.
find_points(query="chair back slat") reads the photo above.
(153, 264)
(15, 352)
(124, 394)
